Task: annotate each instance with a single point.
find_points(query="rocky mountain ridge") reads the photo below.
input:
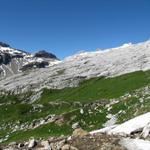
(14, 61)
(69, 72)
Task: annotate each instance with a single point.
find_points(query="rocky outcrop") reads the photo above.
(32, 65)
(44, 54)
(89, 142)
(32, 143)
(5, 58)
(4, 44)
(14, 61)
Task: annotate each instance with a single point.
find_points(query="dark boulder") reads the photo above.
(33, 65)
(17, 56)
(5, 58)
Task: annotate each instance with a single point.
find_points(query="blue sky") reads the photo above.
(64, 27)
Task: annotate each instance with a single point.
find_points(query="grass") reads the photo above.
(11, 113)
(130, 108)
(62, 102)
(44, 131)
(12, 98)
(23, 113)
(26, 113)
(89, 120)
(98, 88)
(8, 98)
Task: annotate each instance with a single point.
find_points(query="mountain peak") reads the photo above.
(2, 44)
(13, 61)
(45, 54)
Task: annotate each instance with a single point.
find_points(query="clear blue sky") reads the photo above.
(64, 27)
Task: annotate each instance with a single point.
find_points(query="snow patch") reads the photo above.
(132, 125)
(135, 144)
(103, 130)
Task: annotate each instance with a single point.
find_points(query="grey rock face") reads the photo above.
(31, 65)
(13, 61)
(69, 72)
(5, 58)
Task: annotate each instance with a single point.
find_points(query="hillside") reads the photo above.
(69, 72)
(59, 110)
(91, 90)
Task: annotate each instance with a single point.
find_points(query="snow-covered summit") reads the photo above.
(13, 61)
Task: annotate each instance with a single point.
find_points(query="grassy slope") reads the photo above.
(98, 88)
(41, 132)
(87, 91)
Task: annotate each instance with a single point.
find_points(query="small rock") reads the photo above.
(57, 144)
(60, 121)
(75, 125)
(32, 143)
(12, 143)
(20, 145)
(81, 111)
(79, 133)
(68, 147)
(26, 143)
(46, 145)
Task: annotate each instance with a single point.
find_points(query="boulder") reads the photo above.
(12, 143)
(79, 133)
(76, 125)
(34, 64)
(32, 143)
(46, 145)
(68, 147)
(20, 145)
(5, 58)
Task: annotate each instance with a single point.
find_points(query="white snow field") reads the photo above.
(139, 123)
(135, 144)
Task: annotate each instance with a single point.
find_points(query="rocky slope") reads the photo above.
(68, 73)
(134, 134)
(14, 61)
(39, 112)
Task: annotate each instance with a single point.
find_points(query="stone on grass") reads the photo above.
(46, 145)
(79, 133)
(32, 143)
(75, 125)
